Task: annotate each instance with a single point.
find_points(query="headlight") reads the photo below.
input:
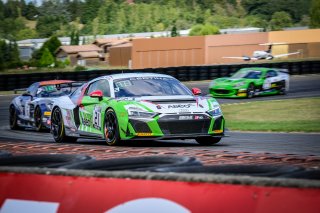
(215, 112)
(138, 113)
(239, 84)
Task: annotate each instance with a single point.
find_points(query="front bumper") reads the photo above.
(171, 126)
(228, 92)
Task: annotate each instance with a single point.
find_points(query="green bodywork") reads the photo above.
(238, 87)
(93, 113)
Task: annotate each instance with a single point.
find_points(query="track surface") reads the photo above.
(265, 145)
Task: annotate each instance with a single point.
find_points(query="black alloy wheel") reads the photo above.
(111, 129)
(250, 91)
(282, 88)
(38, 119)
(57, 128)
(13, 118)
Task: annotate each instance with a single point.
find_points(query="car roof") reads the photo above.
(53, 82)
(132, 75)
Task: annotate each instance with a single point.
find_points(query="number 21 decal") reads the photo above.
(97, 117)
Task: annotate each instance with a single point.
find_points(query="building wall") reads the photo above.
(120, 56)
(200, 50)
(219, 46)
(167, 52)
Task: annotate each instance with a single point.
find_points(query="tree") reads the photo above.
(53, 43)
(206, 29)
(315, 14)
(174, 32)
(74, 37)
(280, 20)
(46, 59)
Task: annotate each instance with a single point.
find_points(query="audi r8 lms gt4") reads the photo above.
(136, 106)
(249, 82)
(33, 108)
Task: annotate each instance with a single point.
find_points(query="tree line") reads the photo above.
(74, 18)
(20, 20)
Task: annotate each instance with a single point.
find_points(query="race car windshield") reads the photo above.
(149, 86)
(249, 74)
(53, 91)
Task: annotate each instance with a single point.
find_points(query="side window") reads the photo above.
(102, 85)
(271, 73)
(76, 94)
(32, 90)
(92, 87)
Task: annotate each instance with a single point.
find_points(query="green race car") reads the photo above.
(249, 82)
(137, 106)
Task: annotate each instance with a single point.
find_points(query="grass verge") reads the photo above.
(287, 115)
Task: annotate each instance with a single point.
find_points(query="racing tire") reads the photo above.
(250, 91)
(38, 119)
(282, 88)
(145, 163)
(111, 128)
(13, 118)
(57, 128)
(44, 160)
(208, 141)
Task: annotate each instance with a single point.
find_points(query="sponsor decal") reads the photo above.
(97, 117)
(144, 134)
(47, 113)
(185, 117)
(175, 106)
(198, 117)
(86, 118)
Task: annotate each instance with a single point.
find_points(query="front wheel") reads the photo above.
(250, 91)
(111, 128)
(282, 88)
(13, 118)
(38, 119)
(207, 141)
(57, 128)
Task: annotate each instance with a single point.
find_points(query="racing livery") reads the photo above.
(33, 108)
(249, 82)
(136, 106)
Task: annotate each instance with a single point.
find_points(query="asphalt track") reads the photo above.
(247, 142)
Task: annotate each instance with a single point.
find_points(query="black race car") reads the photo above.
(32, 109)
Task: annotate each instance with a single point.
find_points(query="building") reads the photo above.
(79, 52)
(208, 50)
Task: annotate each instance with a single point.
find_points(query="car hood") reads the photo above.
(228, 80)
(173, 104)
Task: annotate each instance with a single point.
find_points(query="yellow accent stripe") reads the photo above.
(47, 113)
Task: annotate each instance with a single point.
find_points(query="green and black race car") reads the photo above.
(249, 82)
(124, 107)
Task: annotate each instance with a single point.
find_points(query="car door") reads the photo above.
(92, 107)
(25, 102)
(271, 80)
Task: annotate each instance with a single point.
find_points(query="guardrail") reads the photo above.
(185, 73)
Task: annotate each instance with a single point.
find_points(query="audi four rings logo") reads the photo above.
(180, 106)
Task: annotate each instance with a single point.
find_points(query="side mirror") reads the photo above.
(96, 94)
(196, 91)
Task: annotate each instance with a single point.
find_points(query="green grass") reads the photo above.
(288, 115)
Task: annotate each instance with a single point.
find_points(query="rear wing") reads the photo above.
(70, 85)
